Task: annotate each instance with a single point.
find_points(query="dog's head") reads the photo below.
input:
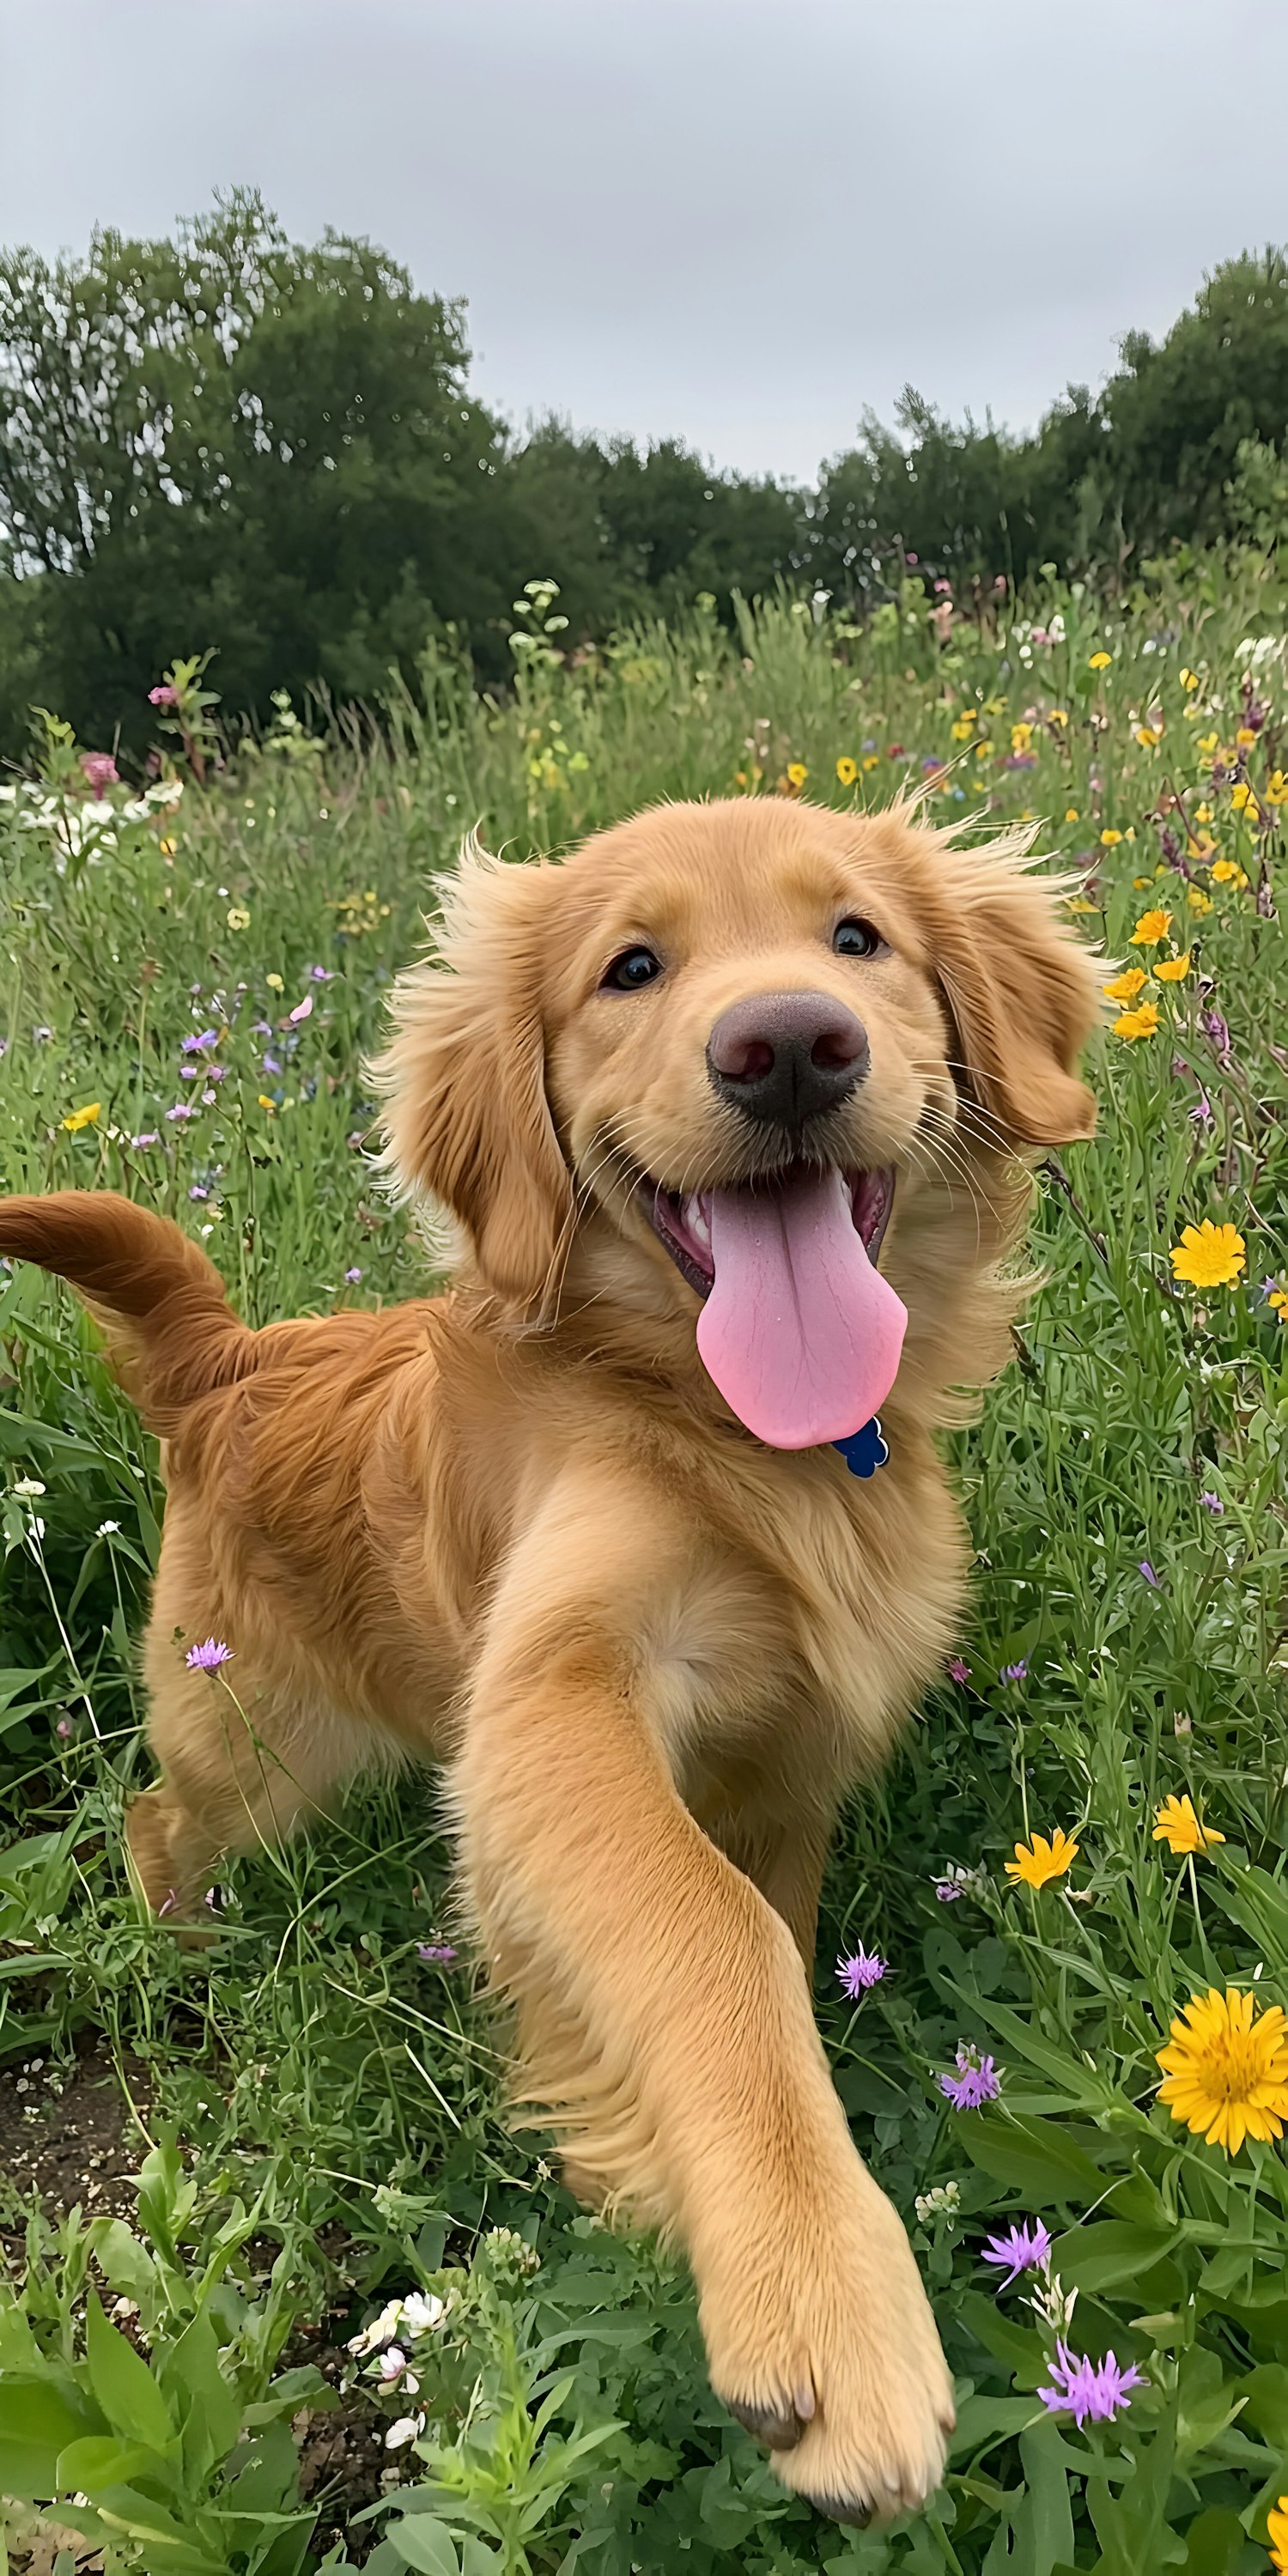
(724, 1043)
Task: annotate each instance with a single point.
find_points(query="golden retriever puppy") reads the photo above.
(640, 1529)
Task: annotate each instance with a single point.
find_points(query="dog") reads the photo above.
(640, 1529)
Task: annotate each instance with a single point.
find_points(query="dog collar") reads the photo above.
(865, 1450)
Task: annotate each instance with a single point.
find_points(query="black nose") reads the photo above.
(786, 1057)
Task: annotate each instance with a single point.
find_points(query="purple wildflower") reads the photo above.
(269, 1064)
(197, 1192)
(436, 1954)
(1201, 1115)
(1023, 2249)
(198, 1044)
(947, 1890)
(1016, 1672)
(150, 1136)
(207, 1658)
(181, 1109)
(976, 2081)
(958, 1669)
(261, 1028)
(351, 1278)
(321, 974)
(866, 1968)
(63, 1729)
(1216, 1029)
(1088, 2390)
(1211, 1503)
(1150, 1577)
(163, 695)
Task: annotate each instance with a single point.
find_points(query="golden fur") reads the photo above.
(516, 1530)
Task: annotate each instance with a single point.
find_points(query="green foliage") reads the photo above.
(332, 2093)
(273, 446)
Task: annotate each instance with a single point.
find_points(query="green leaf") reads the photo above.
(422, 2542)
(124, 2385)
(99, 2460)
(1033, 2156)
(1110, 2252)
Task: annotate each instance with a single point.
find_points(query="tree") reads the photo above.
(231, 438)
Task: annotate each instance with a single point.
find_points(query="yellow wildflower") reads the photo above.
(1100, 661)
(86, 1117)
(1072, 902)
(1071, 814)
(167, 848)
(1277, 2536)
(797, 773)
(872, 761)
(1197, 900)
(1189, 679)
(1202, 813)
(1245, 737)
(1140, 1023)
(1227, 872)
(1110, 839)
(238, 917)
(1277, 1301)
(1227, 2069)
(1209, 1256)
(1241, 796)
(1151, 927)
(847, 770)
(1058, 716)
(983, 751)
(964, 728)
(274, 983)
(1126, 986)
(1275, 790)
(1039, 1860)
(266, 1103)
(994, 706)
(1149, 736)
(1021, 736)
(1172, 970)
(1176, 1824)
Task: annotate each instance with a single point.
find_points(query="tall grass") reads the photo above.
(332, 2093)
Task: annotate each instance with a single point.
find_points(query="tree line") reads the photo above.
(228, 439)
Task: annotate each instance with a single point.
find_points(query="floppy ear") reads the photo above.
(467, 1118)
(1023, 994)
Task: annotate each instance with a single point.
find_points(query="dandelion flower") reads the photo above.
(1172, 970)
(977, 2080)
(1039, 1860)
(1140, 1023)
(208, 1657)
(847, 770)
(1023, 2249)
(866, 1968)
(1209, 1256)
(1176, 1824)
(1151, 927)
(1226, 2069)
(86, 1117)
(1126, 986)
(1090, 2391)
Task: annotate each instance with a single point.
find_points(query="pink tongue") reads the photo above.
(800, 1333)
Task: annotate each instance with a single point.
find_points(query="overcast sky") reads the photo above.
(735, 221)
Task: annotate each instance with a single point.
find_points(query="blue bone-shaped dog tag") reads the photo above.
(865, 1450)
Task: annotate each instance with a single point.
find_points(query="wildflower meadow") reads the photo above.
(283, 2290)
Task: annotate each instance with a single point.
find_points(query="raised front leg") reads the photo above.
(664, 2019)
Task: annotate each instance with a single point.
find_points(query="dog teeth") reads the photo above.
(697, 1225)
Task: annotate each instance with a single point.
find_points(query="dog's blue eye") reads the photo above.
(630, 972)
(856, 939)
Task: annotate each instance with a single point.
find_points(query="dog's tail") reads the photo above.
(172, 1335)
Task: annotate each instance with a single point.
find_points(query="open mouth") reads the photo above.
(683, 1225)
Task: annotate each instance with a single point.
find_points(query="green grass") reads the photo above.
(317, 2103)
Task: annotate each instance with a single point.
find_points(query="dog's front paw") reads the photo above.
(833, 2360)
